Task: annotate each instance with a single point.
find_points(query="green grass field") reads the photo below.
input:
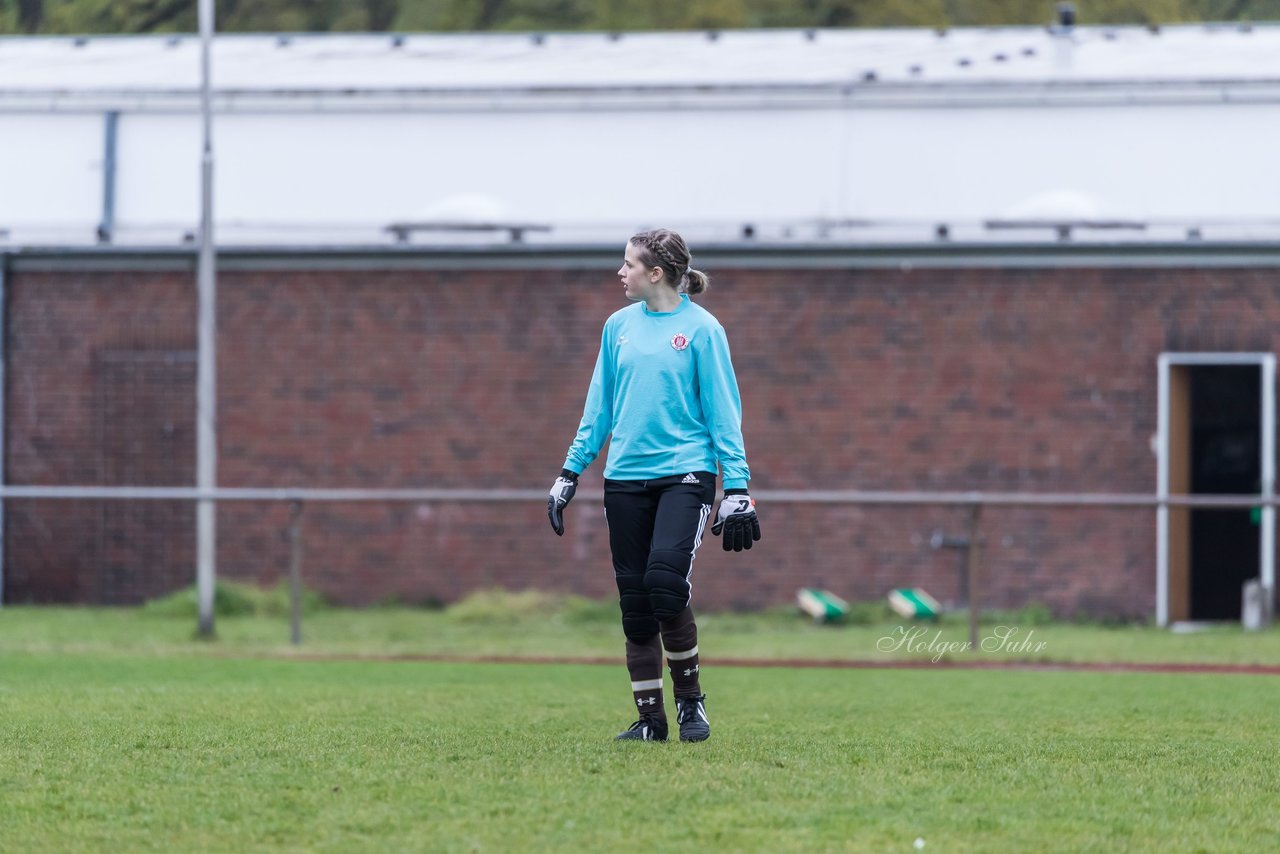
(122, 732)
(535, 625)
(146, 753)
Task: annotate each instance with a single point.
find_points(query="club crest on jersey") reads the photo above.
(679, 341)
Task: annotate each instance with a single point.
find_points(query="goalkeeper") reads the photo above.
(665, 390)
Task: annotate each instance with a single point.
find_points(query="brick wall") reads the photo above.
(915, 379)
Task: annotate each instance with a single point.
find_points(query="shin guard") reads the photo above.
(644, 663)
(680, 637)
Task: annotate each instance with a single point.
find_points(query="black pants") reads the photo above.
(655, 527)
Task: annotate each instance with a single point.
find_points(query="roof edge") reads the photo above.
(1263, 254)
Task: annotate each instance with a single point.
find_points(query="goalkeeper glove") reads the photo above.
(560, 494)
(737, 519)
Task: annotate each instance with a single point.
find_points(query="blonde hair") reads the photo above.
(664, 248)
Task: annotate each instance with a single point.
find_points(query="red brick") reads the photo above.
(1010, 380)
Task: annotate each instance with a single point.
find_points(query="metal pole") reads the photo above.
(111, 129)
(206, 370)
(1268, 533)
(4, 348)
(295, 572)
(975, 580)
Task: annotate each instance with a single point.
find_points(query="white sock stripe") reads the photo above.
(647, 685)
(681, 656)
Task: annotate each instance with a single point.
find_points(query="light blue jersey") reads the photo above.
(664, 388)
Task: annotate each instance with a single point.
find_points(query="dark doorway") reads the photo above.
(1226, 407)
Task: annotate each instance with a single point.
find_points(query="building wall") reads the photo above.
(903, 379)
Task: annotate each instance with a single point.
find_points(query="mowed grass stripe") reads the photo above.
(148, 753)
(595, 632)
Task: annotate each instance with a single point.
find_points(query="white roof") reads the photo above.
(593, 61)
(1126, 132)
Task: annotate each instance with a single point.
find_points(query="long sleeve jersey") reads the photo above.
(664, 388)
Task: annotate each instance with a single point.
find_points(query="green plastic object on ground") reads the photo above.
(823, 605)
(912, 603)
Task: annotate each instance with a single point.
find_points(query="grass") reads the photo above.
(156, 752)
(532, 624)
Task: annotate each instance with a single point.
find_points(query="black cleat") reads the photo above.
(646, 729)
(691, 714)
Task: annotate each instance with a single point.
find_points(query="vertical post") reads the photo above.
(4, 349)
(295, 572)
(1162, 490)
(975, 576)
(1268, 534)
(206, 381)
(110, 131)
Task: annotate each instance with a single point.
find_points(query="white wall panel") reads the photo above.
(1145, 162)
(51, 170)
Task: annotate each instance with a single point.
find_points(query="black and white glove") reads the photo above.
(737, 518)
(560, 494)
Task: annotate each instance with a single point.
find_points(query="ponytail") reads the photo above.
(695, 281)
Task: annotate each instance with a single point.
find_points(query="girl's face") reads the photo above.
(638, 281)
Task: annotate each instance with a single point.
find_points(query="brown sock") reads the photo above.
(644, 663)
(680, 637)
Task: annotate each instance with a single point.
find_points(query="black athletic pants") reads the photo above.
(655, 526)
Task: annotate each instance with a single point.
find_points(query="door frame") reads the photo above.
(1267, 533)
